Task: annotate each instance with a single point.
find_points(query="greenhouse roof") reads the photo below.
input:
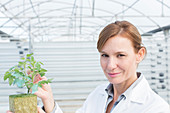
(52, 20)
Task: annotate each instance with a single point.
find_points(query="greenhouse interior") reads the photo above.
(63, 35)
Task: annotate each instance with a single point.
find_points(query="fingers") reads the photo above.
(8, 111)
(43, 78)
(29, 71)
(40, 92)
(40, 110)
(39, 78)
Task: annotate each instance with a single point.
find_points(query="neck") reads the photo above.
(122, 87)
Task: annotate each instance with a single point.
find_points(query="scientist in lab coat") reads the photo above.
(121, 50)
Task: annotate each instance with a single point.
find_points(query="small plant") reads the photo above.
(19, 75)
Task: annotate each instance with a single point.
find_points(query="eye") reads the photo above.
(105, 55)
(120, 55)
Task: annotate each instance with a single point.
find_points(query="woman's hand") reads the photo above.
(40, 110)
(45, 93)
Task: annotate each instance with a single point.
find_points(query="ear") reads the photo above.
(140, 55)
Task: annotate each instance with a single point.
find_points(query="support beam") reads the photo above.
(164, 29)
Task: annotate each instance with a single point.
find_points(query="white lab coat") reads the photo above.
(141, 100)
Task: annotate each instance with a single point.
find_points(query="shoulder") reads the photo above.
(95, 100)
(151, 95)
(98, 91)
(157, 100)
(152, 101)
(100, 88)
(157, 104)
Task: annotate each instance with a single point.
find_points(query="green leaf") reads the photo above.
(21, 68)
(15, 81)
(23, 58)
(34, 73)
(28, 78)
(22, 74)
(16, 70)
(41, 63)
(43, 70)
(11, 68)
(28, 84)
(38, 66)
(44, 82)
(20, 63)
(42, 74)
(32, 64)
(11, 80)
(39, 84)
(29, 55)
(17, 75)
(7, 72)
(32, 59)
(50, 80)
(7, 75)
(34, 88)
(20, 83)
(29, 67)
(28, 60)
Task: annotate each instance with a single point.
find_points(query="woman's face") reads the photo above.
(119, 61)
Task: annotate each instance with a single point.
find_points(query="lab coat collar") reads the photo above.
(102, 89)
(138, 94)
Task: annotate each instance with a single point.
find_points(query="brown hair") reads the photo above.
(122, 28)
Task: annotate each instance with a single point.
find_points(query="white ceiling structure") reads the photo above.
(53, 20)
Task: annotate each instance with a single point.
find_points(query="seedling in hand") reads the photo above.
(19, 75)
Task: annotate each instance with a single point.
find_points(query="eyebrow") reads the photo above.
(116, 52)
(102, 52)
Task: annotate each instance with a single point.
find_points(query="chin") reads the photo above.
(114, 82)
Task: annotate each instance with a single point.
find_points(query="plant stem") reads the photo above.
(28, 90)
(25, 71)
(33, 75)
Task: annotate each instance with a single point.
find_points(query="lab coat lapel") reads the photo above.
(121, 106)
(138, 95)
(102, 102)
(139, 92)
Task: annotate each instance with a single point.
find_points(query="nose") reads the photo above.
(111, 64)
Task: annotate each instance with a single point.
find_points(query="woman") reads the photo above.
(121, 50)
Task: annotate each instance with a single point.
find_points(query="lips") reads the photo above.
(113, 74)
